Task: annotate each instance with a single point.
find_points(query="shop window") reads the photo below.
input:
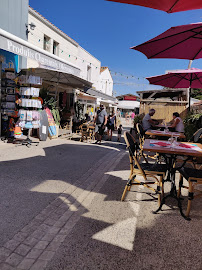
(46, 43)
(89, 73)
(55, 47)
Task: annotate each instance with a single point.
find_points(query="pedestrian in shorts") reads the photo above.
(120, 129)
(100, 121)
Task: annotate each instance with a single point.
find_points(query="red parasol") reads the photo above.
(168, 6)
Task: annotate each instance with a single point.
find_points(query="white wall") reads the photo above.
(106, 82)
(93, 63)
(69, 49)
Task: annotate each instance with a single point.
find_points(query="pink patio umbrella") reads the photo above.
(180, 42)
(187, 78)
(168, 6)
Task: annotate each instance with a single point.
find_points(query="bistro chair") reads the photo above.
(141, 137)
(197, 136)
(146, 170)
(141, 134)
(87, 132)
(197, 161)
(84, 132)
(194, 178)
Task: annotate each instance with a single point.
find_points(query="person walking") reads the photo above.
(132, 115)
(120, 129)
(127, 117)
(111, 125)
(100, 121)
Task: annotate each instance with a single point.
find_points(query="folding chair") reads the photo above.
(194, 178)
(146, 170)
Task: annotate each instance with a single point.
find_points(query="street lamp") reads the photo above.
(30, 26)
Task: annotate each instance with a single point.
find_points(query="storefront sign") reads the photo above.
(42, 58)
(129, 98)
(9, 60)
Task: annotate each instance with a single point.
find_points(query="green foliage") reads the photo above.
(193, 122)
(51, 103)
(56, 116)
(196, 93)
(138, 119)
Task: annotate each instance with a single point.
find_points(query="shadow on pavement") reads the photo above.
(109, 234)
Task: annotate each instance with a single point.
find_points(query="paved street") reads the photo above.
(61, 209)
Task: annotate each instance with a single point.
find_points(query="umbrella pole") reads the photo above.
(189, 108)
(190, 62)
(189, 96)
(189, 89)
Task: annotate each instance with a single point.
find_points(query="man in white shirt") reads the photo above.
(147, 122)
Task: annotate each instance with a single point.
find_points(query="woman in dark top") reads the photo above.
(111, 124)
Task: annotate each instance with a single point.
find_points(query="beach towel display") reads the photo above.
(51, 124)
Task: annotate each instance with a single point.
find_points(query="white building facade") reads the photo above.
(106, 81)
(48, 37)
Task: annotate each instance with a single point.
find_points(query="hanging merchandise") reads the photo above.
(23, 115)
(11, 127)
(29, 117)
(52, 128)
(17, 132)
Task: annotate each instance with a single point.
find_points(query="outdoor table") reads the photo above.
(152, 132)
(162, 126)
(170, 154)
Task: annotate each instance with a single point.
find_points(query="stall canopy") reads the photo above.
(56, 76)
(128, 105)
(97, 93)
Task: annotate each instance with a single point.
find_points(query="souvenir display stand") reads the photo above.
(20, 105)
(30, 104)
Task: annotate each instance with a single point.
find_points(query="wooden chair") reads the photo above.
(197, 136)
(194, 178)
(141, 134)
(146, 170)
(197, 161)
(87, 132)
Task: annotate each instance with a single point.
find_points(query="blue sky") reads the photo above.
(108, 29)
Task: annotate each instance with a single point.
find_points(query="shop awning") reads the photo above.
(18, 46)
(128, 105)
(56, 76)
(97, 93)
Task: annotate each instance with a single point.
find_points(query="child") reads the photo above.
(119, 133)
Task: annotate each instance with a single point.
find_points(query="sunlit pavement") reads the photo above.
(61, 209)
